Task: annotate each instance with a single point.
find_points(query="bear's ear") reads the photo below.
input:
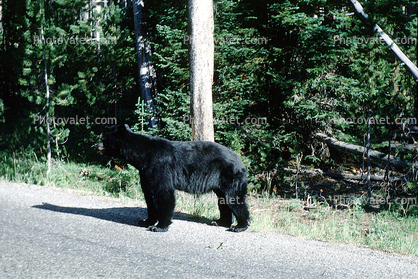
(124, 130)
(126, 126)
(108, 129)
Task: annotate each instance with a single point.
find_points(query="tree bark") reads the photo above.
(146, 70)
(201, 57)
(382, 35)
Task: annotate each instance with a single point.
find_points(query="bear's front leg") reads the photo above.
(157, 229)
(164, 201)
(145, 223)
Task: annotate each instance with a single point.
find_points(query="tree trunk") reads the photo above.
(146, 70)
(201, 55)
(383, 36)
(96, 5)
(48, 128)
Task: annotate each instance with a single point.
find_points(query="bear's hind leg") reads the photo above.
(240, 210)
(226, 218)
(236, 202)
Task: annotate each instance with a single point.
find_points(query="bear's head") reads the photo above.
(112, 142)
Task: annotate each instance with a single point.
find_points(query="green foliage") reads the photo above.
(240, 120)
(87, 77)
(306, 63)
(26, 167)
(310, 64)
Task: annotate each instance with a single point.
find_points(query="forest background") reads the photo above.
(285, 72)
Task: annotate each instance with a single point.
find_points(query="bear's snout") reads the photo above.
(100, 148)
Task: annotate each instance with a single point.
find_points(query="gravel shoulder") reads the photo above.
(59, 233)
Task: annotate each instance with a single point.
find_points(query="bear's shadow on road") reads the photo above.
(123, 215)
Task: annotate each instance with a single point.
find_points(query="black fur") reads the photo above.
(195, 167)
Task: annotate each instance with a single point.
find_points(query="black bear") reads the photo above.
(195, 167)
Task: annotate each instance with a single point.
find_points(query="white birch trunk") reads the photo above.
(146, 70)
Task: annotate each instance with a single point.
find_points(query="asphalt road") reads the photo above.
(55, 233)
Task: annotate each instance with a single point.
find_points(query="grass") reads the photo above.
(96, 179)
(389, 231)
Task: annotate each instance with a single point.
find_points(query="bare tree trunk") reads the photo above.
(368, 183)
(383, 36)
(146, 70)
(48, 128)
(97, 5)
(1, 18)
(201, 55)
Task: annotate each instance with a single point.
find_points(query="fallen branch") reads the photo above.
(314, 172)
(352, 148)
(348, 176)
(345, 176)
(404, 147)
(360, 150)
